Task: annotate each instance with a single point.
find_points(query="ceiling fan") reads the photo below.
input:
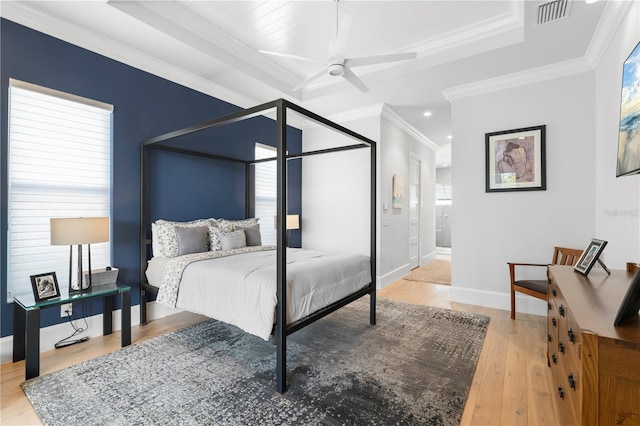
(338, 64)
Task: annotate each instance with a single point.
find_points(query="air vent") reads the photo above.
(553, 11)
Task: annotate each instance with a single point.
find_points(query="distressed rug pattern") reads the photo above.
(414, 367)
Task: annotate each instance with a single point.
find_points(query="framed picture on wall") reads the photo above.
(515, 160)
(398, 192)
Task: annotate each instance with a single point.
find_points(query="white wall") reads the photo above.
(617, 199)
(336, 190)
(336, 196)
(395, 149)
(492, 229)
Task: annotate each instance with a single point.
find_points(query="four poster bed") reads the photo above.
(264, 290)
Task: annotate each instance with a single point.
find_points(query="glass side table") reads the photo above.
(26, 320)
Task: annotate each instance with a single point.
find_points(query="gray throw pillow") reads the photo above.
(192, 240)
(252, 234)
(233, 240)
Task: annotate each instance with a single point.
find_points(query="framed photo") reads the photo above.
(45, 286)
(628, 137)
(398, 192)
(515, 160)
(590, 256)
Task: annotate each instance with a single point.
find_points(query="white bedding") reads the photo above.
(241, 289)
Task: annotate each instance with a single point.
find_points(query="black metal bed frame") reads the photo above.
(282, 330)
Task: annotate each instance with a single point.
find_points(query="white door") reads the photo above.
(414, 212)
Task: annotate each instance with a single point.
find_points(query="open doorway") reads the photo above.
(444, 212)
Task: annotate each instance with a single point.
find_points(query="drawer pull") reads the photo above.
(561, 310)
(548, 306)
(554, 358)
(554, 292)
(572, 336)
(561, 347)
(560, 392)
(548, 337)
(554, 322)
(572, 381)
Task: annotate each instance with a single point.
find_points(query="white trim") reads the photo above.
(59, 94)
(392, 276)
(493, 299)
(522, 78)
(50, 335)
(613, 15)
(428, 257)
(392, 116)
(374, 110)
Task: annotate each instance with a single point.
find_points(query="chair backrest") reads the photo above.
(566, 256)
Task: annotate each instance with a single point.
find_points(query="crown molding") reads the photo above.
(522, 78)
(22, 14)
(612, 16)
(391, 115)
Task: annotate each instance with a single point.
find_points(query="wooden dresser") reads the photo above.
(596, 366)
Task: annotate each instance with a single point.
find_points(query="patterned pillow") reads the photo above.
(166, 234)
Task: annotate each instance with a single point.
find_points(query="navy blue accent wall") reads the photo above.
(144, 106)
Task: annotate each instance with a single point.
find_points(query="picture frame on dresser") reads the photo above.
(630, 302)
(590, 256)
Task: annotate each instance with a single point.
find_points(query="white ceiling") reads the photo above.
(213, 46)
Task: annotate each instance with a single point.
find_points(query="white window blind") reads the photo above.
(266, 192)
(59, 166)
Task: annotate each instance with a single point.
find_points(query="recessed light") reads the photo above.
(590, 1)
(427, 114)
(449, 137)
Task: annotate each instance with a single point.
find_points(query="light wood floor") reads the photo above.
(511, 386)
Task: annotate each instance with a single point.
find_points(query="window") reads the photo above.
(266, 192)
(59, 166)
(443, 194)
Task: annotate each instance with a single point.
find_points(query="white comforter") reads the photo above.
(241, 289)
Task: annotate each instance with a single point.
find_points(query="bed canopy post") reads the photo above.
(144, 220)
(281, 267)
(373, 243)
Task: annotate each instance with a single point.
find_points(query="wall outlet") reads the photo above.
(66, 310)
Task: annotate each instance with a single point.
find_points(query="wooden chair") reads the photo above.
(538, 288)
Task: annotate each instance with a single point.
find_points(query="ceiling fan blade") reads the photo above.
(379, 59)
(353, 79)
(288, 56)
(310, 79)
(341, 42)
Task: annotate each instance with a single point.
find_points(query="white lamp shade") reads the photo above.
(293, 221)
(79, 230)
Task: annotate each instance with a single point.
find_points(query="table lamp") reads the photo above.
(293, 222)
(79, 231)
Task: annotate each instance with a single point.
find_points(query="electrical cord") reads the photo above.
(76, 330)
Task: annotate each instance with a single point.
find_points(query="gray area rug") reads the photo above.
(414, 367)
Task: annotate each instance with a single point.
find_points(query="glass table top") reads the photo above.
(28, 301)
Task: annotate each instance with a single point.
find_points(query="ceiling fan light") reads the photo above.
(336, 69)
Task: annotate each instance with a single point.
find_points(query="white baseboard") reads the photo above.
(392, 276)
(493, 299)
(428, 257)
(52, 334)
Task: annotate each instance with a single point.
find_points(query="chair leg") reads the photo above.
(513, 304)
